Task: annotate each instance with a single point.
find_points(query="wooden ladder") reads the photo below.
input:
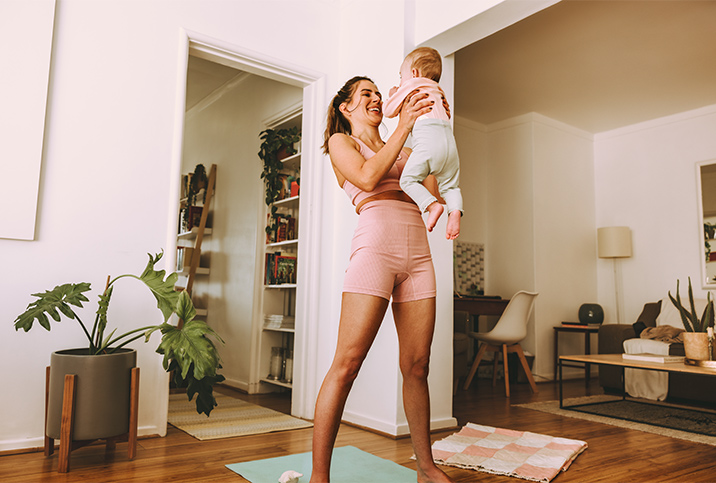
(196, 256)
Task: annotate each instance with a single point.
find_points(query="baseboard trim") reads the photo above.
(394, 431)
(31, 445)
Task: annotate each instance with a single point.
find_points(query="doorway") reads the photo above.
(229, 97)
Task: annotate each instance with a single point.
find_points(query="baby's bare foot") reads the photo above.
(434, 210)
(453, 225)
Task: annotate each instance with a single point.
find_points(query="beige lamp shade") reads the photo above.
(614, 242)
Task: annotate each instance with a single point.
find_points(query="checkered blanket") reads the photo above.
(530, 456)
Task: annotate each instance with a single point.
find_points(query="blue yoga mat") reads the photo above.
(349, 465)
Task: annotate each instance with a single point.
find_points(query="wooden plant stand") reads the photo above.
(67, 444)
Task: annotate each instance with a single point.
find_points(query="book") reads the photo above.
(285, 270)
(646, 357)
(270, 268)
(578, 324)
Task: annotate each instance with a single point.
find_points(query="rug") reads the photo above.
(232, 417)
(530, 456)
(348, 465)
(649, 414)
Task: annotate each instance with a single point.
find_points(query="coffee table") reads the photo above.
(618, 361)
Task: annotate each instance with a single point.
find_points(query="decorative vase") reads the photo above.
(102, 395)
(696, 346)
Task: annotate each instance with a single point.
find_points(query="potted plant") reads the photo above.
(696, 345)
(197, 182)
(275, 146)
(189, 353)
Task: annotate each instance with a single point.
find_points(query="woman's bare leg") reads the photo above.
(361, 316)
(415, 323)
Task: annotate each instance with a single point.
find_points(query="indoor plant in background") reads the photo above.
(189, 353)
(276, 145)
(696, 343)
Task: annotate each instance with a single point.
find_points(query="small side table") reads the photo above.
(587, 331)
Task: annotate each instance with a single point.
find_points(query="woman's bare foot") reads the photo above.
(434, 210)
(433, 475)
(453, 224)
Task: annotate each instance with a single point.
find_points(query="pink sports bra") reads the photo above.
(390, 182)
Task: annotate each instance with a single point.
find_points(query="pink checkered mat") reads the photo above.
(530, 456)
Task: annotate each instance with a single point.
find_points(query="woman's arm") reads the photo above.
(432, 186)
(366, 173)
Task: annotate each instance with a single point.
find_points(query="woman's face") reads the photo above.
(365, 106)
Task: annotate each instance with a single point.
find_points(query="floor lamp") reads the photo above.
(614, 242)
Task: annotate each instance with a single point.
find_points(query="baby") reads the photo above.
(434, 149)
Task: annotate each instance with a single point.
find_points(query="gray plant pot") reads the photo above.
(102, 399)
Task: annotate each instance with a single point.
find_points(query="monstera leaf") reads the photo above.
(191, 355)
(163, 290)
(189, 345)
(202, 388)
(50, 302)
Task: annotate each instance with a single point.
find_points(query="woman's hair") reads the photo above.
(335, 121)
(428, 62)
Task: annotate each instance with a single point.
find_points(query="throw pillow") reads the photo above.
(670, 315)
(639, 327)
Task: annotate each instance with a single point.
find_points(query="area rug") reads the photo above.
(649, 415)
(231, 417)
(348, 465)
(530, 456)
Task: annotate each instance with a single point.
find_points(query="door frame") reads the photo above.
(305, 385)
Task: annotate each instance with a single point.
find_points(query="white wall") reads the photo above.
(472, 142)
(646, 180)
(531, 187)
(109, 181)
(565, 272)
(107, 186)
(226, 133)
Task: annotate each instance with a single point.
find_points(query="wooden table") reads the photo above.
(618, 361)
(587, 331)
(477, 306)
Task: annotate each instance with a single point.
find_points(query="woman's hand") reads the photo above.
(415, 105)
(445, 102)
(446, 106)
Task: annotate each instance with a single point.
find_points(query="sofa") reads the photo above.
(681, 387)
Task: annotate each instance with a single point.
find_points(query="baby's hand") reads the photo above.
(392, 90)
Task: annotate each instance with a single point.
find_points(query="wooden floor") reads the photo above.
(614, 454)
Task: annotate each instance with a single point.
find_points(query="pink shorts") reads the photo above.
(390, 254)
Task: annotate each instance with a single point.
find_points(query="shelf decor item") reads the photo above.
(276, 145)
(591, 314)
(696, 337)
(189, 351)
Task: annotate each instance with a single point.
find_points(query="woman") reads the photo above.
(390, 256)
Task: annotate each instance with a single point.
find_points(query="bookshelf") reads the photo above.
(280, 264)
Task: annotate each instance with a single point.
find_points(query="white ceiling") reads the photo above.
(204, 77)
(594, 64)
